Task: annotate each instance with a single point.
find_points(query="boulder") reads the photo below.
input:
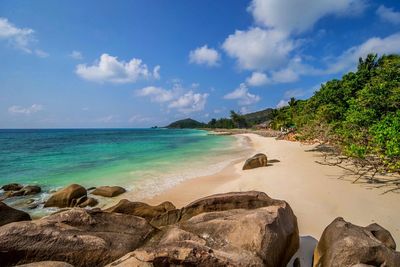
(9, 215)
(27, 190)
(346, 244)
(12, 187)
(69, 196)
(258, 160)
(141, 209)
(47, 264)
(218, 202)
(249, 235)
(108, 191)
(79, 237)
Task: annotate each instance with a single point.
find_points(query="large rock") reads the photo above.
(261, 232)
(70, 196)
(258, 160)
(108, 191)
(218, 202)
(346, 244)
(77, 236)
(9, 215)
(141, 209)
(12, 187)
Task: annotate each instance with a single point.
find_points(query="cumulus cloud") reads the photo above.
(259, 49)
(157, 94)
(25, 110)
(349, 58)
(76, 55)
(110, 69)
(257, 79)
(388, 14)
(190, 102)
(300, 15)
(242, 95)
(204, 56)
(41, 53)
(20, 38)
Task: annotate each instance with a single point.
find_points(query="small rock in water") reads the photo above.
(12, 187)
(69, 196)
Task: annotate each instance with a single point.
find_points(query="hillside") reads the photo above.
(186, 124)
(260, 116)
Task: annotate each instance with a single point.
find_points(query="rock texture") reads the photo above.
(141, 209)
(77, 236)
(346, 244)
(70, 196)
(108, 191)
(9, 215)
(234, 229)
(258, 160)
(47, 264)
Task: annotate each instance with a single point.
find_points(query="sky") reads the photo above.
(141, 63)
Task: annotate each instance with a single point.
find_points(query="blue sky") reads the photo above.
(146, 62)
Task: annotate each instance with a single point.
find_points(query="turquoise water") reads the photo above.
(138, 159)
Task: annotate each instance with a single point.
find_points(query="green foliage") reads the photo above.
(359, 113)
(186, 124)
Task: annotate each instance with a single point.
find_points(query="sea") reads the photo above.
(145, 161)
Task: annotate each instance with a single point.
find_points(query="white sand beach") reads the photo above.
(314, 191)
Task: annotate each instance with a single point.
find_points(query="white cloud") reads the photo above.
(242, 95)
(286, 75)
(190, 102)
(157, 94)
(20, 38)
(388, 14)
(297, 16)
(282, 103)
(107, 119)
(25, 110)
(41, 53)
(257, 79)
(76, 55)
(109, 69)
(204, 56)
(296, 93)
(349, 58)
(259, 49)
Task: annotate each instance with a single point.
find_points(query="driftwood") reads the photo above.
(369, 170)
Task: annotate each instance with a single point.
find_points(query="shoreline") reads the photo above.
(314, 191)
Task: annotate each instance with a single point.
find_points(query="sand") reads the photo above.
(314, 191)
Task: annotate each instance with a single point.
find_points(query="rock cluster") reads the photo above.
(232, 229)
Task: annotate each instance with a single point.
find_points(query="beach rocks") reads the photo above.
(141, 209)
(255, 231)
(89, 202)
(346, 244)
(9, 215)
(12, 187)
(27, 190)
(77, 236)
(258, 160)
(69, 196)
(108, 191)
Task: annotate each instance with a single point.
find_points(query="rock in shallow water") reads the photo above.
(346, 244)
(79, 237)
(69, 196)
(9, 215)
(12, 187)
(258, 160)
(108, 191)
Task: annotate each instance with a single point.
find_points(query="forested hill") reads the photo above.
(186, 123)
(360, 112)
